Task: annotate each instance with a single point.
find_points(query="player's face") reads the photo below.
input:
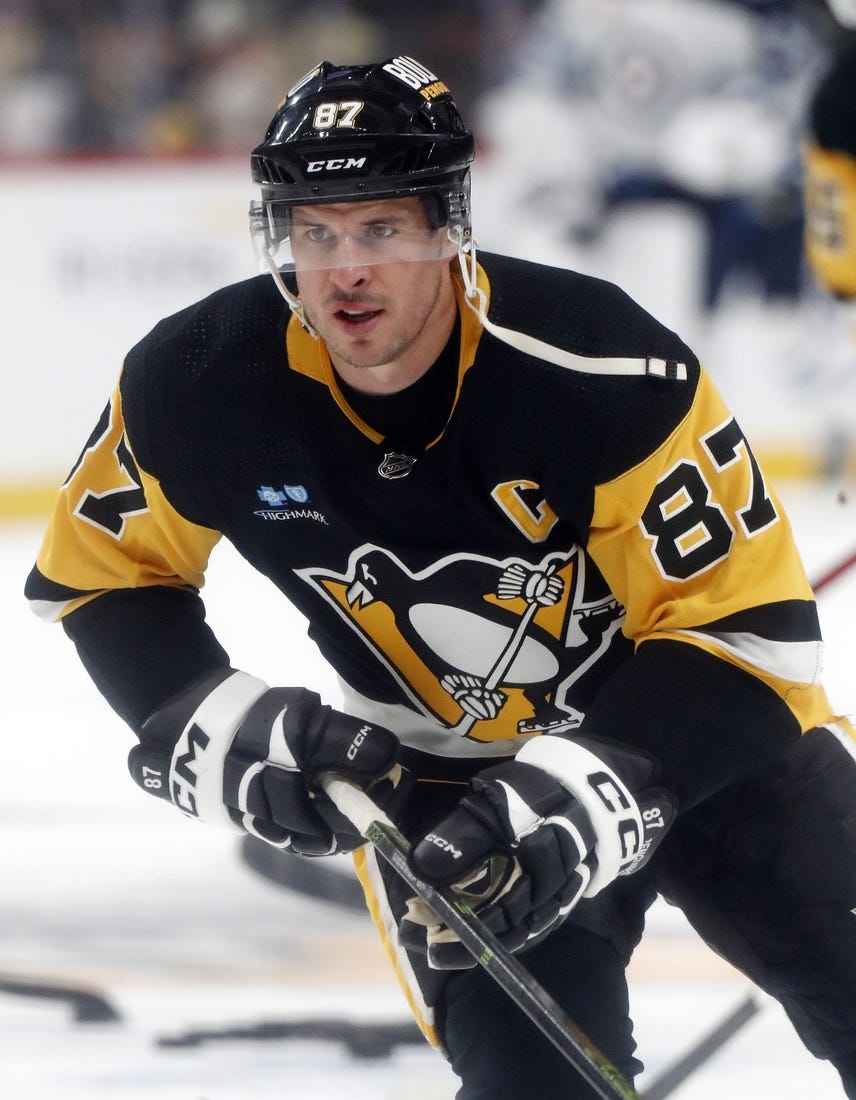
(375, 284)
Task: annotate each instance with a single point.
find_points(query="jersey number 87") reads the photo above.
(690, 532)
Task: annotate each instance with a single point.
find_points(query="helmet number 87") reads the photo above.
(689, 531)
(331, 116)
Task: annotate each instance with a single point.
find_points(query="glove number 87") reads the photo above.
(653, 818)
(689, 531)
(152, 779)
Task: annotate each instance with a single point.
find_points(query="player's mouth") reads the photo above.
(356, 318)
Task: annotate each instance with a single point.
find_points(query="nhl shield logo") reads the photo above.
(396, 465)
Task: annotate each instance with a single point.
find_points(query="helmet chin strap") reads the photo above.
(476, 299)
(294, 303)
(474, 295)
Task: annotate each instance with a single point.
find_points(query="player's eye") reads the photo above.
(381, 232)
(316, 234)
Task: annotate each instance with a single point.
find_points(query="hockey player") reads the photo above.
(829, 204)
(565, 604)
(830, 175)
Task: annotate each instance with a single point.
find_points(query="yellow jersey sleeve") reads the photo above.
(695, 544)
(112, 527)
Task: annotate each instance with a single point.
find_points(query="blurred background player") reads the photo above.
(830, 175)
(678, 139)
(697, 146)
(829, 200)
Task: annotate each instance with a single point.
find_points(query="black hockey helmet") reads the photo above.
(351, 132)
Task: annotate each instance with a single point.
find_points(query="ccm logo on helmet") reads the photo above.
(336, 164)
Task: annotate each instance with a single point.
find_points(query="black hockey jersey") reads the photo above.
(473, 592)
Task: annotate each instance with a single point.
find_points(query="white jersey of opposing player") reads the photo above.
(705, 94)
(844, 11)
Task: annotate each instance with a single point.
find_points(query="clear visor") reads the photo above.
(346, 235)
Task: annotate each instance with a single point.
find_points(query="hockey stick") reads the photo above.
(702, 1051)
(87, 1005)
(380, 1039)
(509, 652)
(372, 823)
(311, 878)
(834, 573)
(502, 665)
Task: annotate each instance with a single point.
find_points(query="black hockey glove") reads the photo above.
(233, 750)
(532, 837)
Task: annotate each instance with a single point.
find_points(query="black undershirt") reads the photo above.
(416, 415)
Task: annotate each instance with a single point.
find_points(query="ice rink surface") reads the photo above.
(105, 888)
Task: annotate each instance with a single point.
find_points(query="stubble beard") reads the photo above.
(398, 344)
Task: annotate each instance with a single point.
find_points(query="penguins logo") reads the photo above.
(490, 649)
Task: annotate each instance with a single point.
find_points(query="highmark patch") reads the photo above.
(281, 504)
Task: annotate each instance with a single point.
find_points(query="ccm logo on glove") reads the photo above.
(534, 836)
(446, 845)
(630, 836)
(354, 747)
(186, 766)
(231, 749)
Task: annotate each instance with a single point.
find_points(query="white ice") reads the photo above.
(103, 886)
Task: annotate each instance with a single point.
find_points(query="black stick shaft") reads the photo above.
(593, 1066)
